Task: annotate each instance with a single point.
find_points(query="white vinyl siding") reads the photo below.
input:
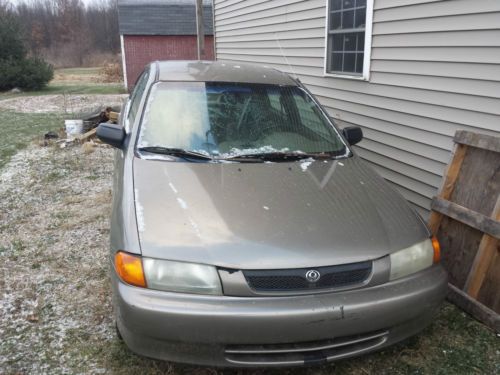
(434, 69)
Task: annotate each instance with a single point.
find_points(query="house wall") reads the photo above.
(435, 68)
(141, 50)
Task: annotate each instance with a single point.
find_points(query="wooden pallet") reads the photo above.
(466, 219)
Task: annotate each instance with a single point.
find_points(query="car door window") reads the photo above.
(135, 99)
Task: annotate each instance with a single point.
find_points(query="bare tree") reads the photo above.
(67, 32)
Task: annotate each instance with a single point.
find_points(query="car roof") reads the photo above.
(221, 71)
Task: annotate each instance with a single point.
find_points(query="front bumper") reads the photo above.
(276, 331)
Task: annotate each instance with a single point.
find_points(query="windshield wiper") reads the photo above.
(282, 156)
(178, 152)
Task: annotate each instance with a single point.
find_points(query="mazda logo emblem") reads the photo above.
(312, 276)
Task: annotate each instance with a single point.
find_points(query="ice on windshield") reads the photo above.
(176, 119)
(252, 151)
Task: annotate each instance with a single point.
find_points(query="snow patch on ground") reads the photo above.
(71, 104)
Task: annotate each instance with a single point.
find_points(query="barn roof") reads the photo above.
(162, 17)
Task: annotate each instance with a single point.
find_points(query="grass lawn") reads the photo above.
(63, 88)
(55, 89)
(17, 130)
(74, 81)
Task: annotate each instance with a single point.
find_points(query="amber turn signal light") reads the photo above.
(437, 249)
(129, 268)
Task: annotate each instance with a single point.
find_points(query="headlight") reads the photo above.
(414, 258)
(167, 275)
(181, 277)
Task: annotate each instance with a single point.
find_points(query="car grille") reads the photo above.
(295, 279)
(315, 352)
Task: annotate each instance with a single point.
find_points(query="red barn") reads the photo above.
(160, 30)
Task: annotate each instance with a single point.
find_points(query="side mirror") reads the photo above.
(111, 134)
(353, 134)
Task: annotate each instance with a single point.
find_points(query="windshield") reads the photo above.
(225, 120)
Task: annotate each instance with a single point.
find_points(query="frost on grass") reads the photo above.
(71, 104)
(55, 305)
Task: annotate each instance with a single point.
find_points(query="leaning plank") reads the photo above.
(450, 177)
(87, 135)
(473, 307)
(483, 141)
(484, 257)
(466, 216)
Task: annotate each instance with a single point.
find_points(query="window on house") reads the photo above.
(346, 36)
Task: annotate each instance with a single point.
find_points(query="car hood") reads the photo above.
(270, 215)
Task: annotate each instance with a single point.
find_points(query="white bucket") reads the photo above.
(73, 127)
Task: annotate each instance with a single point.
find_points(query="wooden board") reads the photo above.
(461, 242)
(482, 141)
(478, 183)
(86, 136)
(448, 184)
(481, 269)
(470, 305)
(488, 294)
(458, 249)
(113, 116)
(485, 224)
(466, 220)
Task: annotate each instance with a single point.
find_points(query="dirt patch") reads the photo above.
(63, 78)
(60, 77)
(71, 104)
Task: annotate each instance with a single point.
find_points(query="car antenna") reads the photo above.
(284, 56)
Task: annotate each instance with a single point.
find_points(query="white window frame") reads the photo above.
(124, 62)
(365, 76)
